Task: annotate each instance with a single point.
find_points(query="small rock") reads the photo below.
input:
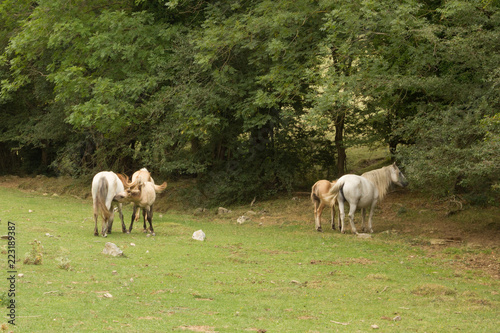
(112, 250)
(114, 272)
(199, 235)
(364, 236)
(107, 295)
(30, 211)
(222, 210)
(200, 210)
(397, 318)
(375, 327)
(20, 275)
(132, 244)
(242, 219)
(250, 213)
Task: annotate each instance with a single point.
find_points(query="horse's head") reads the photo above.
(397, 176)
(122, 197)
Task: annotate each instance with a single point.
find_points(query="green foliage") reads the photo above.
(193, 88)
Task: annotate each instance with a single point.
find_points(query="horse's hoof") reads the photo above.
(319, 229)
(153, 234)
(145, 231)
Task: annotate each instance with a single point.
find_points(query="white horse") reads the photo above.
(364, 192)
(109, 190)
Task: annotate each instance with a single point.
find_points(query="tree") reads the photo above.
(231, 92)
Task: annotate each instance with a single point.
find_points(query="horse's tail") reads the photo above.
(102, 193)
(314, 195)
(160, 188)
(334, 192)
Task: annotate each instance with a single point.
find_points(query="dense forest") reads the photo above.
(252, 96)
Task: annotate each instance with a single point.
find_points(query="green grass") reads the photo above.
(278, 277)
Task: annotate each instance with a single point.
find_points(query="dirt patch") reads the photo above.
(205, 329)
(417, 219)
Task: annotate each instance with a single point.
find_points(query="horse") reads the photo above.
(318, 193)
(143, 196)
(109, 190)
(141, 177)
(364, 192)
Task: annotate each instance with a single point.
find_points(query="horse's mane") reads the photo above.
(381, 178)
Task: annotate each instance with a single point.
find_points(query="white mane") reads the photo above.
(381, 178)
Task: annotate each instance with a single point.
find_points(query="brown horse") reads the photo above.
(319, 191)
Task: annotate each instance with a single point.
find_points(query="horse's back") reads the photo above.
(114, 184)
(358, 190)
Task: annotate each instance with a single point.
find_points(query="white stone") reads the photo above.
(112, 250)
(223, 210)
(199, 235)
(242, 219)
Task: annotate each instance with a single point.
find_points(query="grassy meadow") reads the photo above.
(273, 273)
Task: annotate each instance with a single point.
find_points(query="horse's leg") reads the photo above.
(150, 219)
(110, 221)
(124, 228)
(352, 210)
(372, 209)
(341, 216)
(363, 216)
(144, 212)
(109, 225)
(319, 212)
(96, 216)
(134, 211)
(333, 216)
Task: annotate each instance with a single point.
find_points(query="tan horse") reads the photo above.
(143, 195)
(142, 176)
(319, 191)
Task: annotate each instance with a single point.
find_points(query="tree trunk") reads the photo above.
(339, 143)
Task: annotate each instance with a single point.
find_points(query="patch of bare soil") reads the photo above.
(205, 329)
(469, 235)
